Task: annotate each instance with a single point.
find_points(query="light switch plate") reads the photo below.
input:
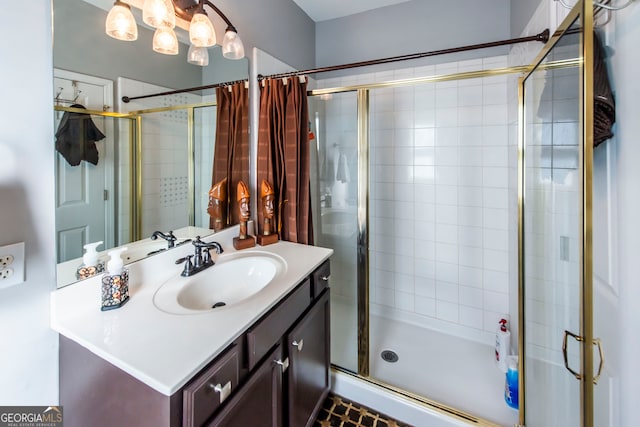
(12, 265)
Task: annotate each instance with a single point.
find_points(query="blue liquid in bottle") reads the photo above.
(511, 382)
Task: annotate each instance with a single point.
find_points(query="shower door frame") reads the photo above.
(584, 11)
(362, 291)
(136, 162)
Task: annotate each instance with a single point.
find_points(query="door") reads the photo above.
(335, 192)
(555, 230)
(85, 192)
(259, 401)
(308, 377)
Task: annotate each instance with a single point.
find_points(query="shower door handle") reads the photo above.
(596, 342)
(564, 352)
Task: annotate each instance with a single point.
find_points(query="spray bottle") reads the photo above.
(503, 344)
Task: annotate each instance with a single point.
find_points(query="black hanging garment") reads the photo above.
(76, 137)
(604, 107)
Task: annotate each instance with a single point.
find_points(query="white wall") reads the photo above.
(624, 34)
(29, 350)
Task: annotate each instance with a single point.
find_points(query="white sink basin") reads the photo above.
(232, 280)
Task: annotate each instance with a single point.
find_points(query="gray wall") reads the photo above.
(521, 13)
(221, 69)
(29, 355)
(278, 27)
(412, 27)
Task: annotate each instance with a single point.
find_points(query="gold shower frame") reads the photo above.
(363, 91)
(583, 10)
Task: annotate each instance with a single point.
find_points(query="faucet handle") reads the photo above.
(188, 265)
(206, 256)
(171, 239)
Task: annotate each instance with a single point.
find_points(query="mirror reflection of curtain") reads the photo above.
(231, 153)
(283, 156)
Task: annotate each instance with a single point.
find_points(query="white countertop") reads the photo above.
(166, 350)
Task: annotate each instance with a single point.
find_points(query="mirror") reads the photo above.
(94, 71)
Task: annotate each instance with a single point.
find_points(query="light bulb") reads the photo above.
(165, 41)
(159, 13)
(201, 32)
(232, 47)
(120, 22)
(198, 56)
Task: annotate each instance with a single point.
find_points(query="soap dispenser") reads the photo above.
(91, 265)
(115, 282)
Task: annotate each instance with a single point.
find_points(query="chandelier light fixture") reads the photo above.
(120, 22)
(161, 15)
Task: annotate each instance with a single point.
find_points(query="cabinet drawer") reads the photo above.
(204, 395)
(320, 279)
(267, 331)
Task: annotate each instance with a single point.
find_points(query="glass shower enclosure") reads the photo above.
(426, 191)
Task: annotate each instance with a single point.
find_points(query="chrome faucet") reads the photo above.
(169, 237)
(201, 259)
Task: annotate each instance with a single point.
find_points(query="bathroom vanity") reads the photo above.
(262, 360)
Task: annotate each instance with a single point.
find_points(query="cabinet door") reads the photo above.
(308, 375)
(259, 402)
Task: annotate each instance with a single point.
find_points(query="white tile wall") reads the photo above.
(439, 198)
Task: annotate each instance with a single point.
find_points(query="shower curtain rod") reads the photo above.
(541, 37)
(190, 89)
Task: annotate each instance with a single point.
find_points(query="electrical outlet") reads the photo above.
(12, 264)
(5, 261)
(5, 274)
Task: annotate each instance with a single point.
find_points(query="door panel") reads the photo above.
(335, 169)
(82, 191)
(308, 380)
(556, 258)
(259, 401)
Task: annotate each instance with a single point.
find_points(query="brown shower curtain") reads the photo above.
(231, 153)
(283, 156)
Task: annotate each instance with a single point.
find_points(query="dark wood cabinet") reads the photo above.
(308, 374)
(300, 361)
(274, 374)
(259, 402)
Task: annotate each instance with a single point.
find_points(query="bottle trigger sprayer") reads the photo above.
(503, 344)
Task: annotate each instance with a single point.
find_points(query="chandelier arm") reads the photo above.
(222, 15)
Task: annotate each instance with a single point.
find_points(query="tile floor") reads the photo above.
(340, 412)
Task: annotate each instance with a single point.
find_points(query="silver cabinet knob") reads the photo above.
(298, 344)
(284, 364)
(224, 390)
(325, 278)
